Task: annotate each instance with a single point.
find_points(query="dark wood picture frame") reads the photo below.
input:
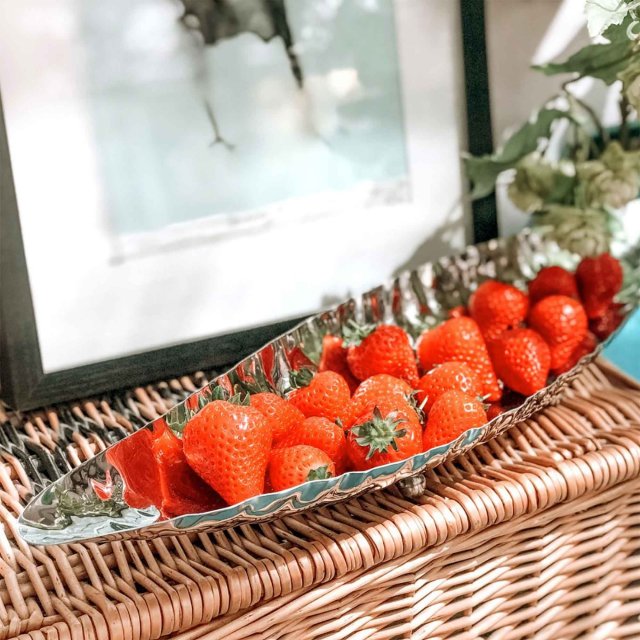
(24, 384)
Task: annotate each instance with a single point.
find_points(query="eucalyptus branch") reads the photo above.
(604, 134)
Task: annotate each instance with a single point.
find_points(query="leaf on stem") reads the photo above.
(603, 14)
(484, 170)
(603, 61)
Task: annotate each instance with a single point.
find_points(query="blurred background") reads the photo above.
(189, 169)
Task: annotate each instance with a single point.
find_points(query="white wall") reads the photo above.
(519, 33)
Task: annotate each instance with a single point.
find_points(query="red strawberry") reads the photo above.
(562, 322)
(584, 348)
(458, 312)
(281, 415)
(298, 359)
(228, 445)
(452, 414)
(460, 340)
(382, 349)
(599, 279)
(134, 460)
(183, 491)
(334, 358)
(552, 281)
(496, 307)
(606, 324)
(521, 359)
(293, 466)
(322, 434)
(381, 388)
(444, 377)
(326, 394)
(268, 356)
(494, 410)
(382, 435)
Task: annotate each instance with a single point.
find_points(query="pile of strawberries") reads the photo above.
(376, 399)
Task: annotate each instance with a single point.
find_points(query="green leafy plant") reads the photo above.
(602, 14)
(577, 196)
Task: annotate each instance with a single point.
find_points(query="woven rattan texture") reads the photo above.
(533, 535)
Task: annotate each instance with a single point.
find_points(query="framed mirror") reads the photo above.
(182, 180)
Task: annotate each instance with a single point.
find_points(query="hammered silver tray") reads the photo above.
(70, 511)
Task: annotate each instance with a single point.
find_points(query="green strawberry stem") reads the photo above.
(353, 333)
(239, 397)
(219, 393)
(379, 433)
(319, 473)
(412, 399)
(301, 378)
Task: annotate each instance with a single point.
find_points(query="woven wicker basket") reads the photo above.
(533, 535)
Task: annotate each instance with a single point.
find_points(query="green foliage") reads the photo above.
(483, 171)
(604, 14)
(603, 61)
(576, 199)
(538, 182)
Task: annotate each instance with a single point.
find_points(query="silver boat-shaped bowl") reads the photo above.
(70, 511)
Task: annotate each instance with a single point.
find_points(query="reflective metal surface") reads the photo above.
(70, 510)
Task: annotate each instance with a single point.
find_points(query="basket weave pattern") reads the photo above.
(534, 534)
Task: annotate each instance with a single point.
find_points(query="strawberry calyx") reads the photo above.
(416, 405)
(379, 433)
(319, 473)
(353, 333)
(239, 397)
(301, 378)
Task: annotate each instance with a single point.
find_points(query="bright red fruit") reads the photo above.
(383, 349)
(584, 348)
(606, 324)
(444, 377)
(599, 279)
(387, 433)
(298, 359)
(322, 434)
(134, 460)
(458, 312)
(496, 307)
(452, 414)
(521, 359)
(228, 445)
(183, 491)
(552, 281)
(562, 322)
(334, 358)
(324, 395)
(381, 388)
(281, 415)
(293, 466)
(460, 340)
(494, 410)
